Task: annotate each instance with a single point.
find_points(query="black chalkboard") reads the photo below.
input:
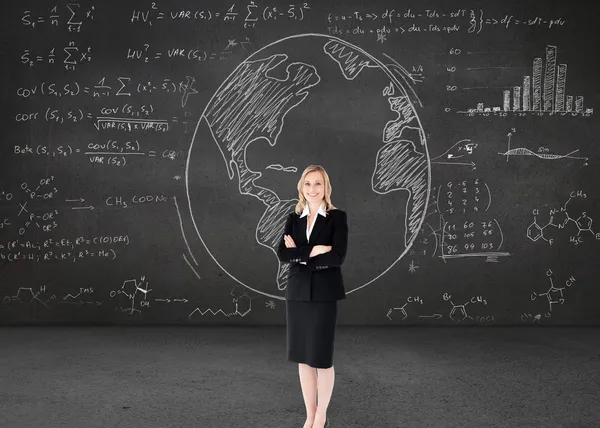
(150, 153)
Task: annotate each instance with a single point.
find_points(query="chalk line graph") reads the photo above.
(543, 153)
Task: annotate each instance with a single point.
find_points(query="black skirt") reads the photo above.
(311, 332)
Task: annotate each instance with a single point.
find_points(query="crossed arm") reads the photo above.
(315, 256)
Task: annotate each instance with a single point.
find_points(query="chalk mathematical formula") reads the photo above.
(151, 153)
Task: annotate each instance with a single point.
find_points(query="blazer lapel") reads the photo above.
(302, 230)
(319, 223)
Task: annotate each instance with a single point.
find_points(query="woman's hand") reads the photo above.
(319, 249)
(289, 241)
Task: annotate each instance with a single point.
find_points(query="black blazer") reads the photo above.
(321, 278)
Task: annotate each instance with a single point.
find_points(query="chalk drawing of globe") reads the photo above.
(307, 99)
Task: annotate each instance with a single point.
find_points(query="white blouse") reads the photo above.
(309, 229)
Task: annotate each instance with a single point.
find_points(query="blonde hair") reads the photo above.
(327, 198)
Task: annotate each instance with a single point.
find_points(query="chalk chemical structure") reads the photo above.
(583, 222)
(410, 299)
(43, 296)
(27, 295)
(131, 289)
(36, 214)
(554, 295)
(243, 305)
(83, 296)
(458, 313)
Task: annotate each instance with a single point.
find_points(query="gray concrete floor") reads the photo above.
(238, 377)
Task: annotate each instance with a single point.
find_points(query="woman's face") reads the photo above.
(313, 187)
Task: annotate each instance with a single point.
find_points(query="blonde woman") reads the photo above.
(314, 243)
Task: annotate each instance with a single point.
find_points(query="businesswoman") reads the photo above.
(314, 244)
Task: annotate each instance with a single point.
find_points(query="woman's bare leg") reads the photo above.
(308, 382)
(325, 382)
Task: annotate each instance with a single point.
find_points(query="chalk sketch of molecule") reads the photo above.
(583, 222)
(132, 289)
(410, 299)
(243, 305)
(459, 313)
(554, 295)
(27, 296)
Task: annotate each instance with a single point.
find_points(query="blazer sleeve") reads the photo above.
(339, 245)
(292, 255)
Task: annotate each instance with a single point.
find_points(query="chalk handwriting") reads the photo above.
(72, 55)
(248, 15)
(409, 21)
(72, 14)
